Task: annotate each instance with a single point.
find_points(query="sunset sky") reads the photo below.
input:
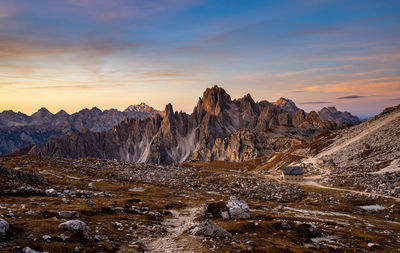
(74, 54)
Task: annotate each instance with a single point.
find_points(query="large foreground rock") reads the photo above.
(210, 229)
(238, 209)
(234, 209)
(3, 228)
(76, 225)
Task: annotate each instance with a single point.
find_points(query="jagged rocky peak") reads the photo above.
(42, 113)
(62, 113)
(287, 105)
(142, 107)
(211, 132)
(247, 105)
(96, 110)
(331, 109)
(215, 100)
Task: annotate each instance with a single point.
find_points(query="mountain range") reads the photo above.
(219, 128)
(18, 130)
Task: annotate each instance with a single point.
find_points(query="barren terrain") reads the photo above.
(137, 208)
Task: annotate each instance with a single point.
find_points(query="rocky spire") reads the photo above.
(168, 124)
(215, 100)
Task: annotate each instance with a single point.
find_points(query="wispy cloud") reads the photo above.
(316, 31)
(6, 9)
(314, 103)
(351, 97)
(74, 87)
(312, 70)
(105, 10)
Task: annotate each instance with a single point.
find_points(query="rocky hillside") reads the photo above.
(372, 146)
(364, 157)
(218, 129)
(18, 130)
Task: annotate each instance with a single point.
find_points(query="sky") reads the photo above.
(75, 54)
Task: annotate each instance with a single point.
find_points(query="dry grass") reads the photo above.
(355, 228)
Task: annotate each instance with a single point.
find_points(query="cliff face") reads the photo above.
(219, 128)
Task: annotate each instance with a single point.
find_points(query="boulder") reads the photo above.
(68, 214)
(285, 225)
(53, 193)
(210, 229)
(29, 250)
(4, 227)
(76, 225)
(238, 209)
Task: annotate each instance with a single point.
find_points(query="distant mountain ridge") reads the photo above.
(342, 119)
(219, 128)
(142, 107)
(18, 129)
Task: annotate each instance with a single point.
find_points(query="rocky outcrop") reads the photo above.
(209, 229)
(218, 129)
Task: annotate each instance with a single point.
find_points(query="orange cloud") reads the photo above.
(373, 86)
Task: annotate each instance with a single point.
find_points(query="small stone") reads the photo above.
(4, 227)
(285, 225)
(117, 225)
(51, 192)
(46, 238)
(63, 237)
(29, 250)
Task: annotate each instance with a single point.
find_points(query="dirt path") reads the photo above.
(393, 167)
(182, 220)
(311, 181)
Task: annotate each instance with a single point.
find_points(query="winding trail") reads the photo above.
(311, 181)
(181, 221)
